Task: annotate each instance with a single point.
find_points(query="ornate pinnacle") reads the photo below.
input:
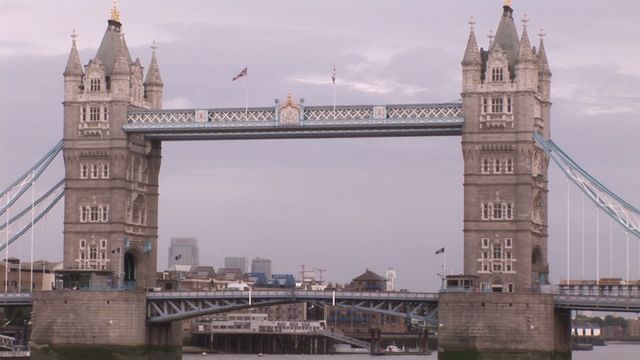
(525, 20)
(74, 36)
(115, 12)
(154, 46)
(472, 22)
(542, 34)
(491, 37)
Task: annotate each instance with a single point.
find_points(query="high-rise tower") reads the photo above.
(506, 97)
(111, 198)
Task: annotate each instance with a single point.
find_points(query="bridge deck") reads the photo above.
(304, 122)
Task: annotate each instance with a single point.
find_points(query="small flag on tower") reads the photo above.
(440, 251)
(333, 76)
(242, 73)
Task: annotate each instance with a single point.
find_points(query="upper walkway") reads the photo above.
(298, 121)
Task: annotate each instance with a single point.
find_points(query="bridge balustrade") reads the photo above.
(600, 290)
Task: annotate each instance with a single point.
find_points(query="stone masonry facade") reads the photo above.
(111, 178)
(506, 97)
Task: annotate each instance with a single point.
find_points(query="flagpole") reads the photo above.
(444, 264)
(334, 100)
(333, 78)
(246, 98)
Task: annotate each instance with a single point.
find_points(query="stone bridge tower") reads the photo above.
(110, 225)
(506, 97)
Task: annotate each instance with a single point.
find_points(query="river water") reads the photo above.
(612, 352)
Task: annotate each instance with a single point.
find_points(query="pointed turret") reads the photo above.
(121, 73)
(472, 53)
(472, 62)
(111, 43)
(543, 62)
(526, 68)
(74, 66)
(73, 72)
(544, 71)
(525, 53)
(507, 35)
(122, 65)
(153, 75)
(153, 83)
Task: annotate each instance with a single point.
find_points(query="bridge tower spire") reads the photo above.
(111, 180)
(505, 172)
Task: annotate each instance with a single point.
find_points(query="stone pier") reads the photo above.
(496, 326)
(99, 325)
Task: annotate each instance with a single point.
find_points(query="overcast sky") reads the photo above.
(342, 205)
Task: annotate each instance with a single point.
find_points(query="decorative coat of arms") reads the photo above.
(289, 112)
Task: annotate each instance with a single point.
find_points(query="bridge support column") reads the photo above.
(98, 325)
(496, 326)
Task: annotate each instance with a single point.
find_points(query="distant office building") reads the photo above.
(391, 279)
(184, 251)
(259, 265)
(235, 262)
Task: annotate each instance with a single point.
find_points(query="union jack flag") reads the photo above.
(242, 73)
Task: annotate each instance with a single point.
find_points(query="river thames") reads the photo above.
(614, 352)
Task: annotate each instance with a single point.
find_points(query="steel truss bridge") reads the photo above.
(171, 306)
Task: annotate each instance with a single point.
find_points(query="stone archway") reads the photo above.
(497, 284)
(130, 263)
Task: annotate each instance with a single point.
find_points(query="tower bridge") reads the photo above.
(114, 126)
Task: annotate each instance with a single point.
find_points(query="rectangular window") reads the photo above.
(94, 171)
(84, 214)
(509, 167)
(485, 254)
(497, 211)
(497, 166)
(94, 85)
(485, 105)
(497, 105)
(510, 288)
(105, 171)
(83, 114)
(497, 252)
(105, 114)
(508, 211)
(486, 211)
(84, 171)
(93, 252)
(508, 243)
(94, 113)
(497, 266)
(486, 166)
(508, 267)
(103, 244)
(105, 214)
(509, 104)
(83, 244)
(497, 74)
(95, 217)
(485, 243)
(507, 255)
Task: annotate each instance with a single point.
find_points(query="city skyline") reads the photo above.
(376, 202)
